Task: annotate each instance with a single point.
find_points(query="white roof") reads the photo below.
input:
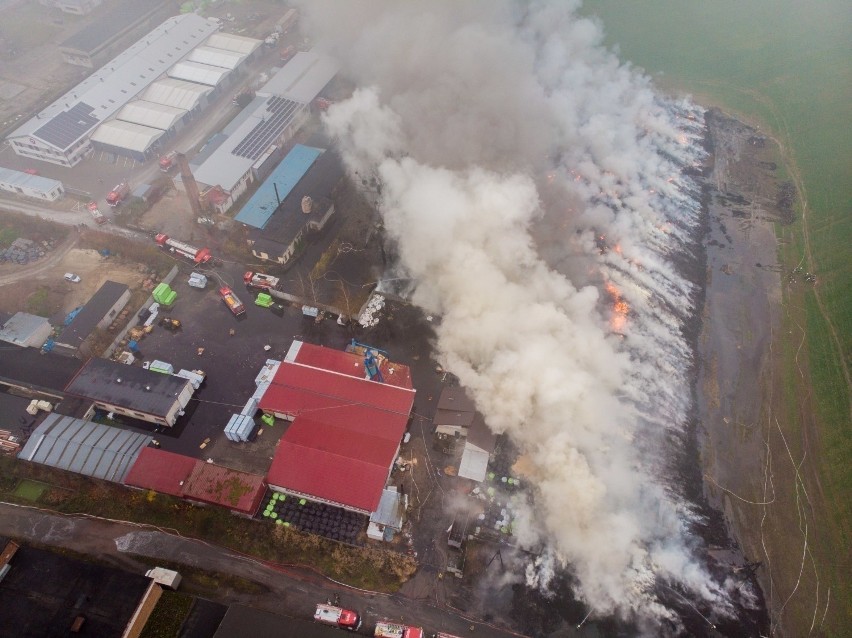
(12, 178)
(133, 137)
(150, 114)
(474, 463)
(224, 168)
(21, 327)
(216, 57)
(302, 78)
(231, 42)
(176, 93)
(119, 80)
(195, 72)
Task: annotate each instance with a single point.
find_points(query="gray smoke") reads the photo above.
(533, 185)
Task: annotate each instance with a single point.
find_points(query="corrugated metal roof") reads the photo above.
(302, 78)
(302, 390)
(390, 510)
(21, 327)
(121, 79)
(349, 363)
(233, 42)
(195, 72)
(260, 208)
(161, 471)
(176, 93)
(223, 166)
(345, 436)
(130, 387)
(85, 447)
(14, 178)
(238, 491)
(216, 57)
(151, 114)
(120, 134)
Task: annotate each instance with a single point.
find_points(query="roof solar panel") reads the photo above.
(280, 113)
(67, 127)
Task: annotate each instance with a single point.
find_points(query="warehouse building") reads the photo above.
(95, 43)
(29, 185)
(61, 132)
(24, 329)
(88, 448)
(98, 312)
(135, 392)
(249, 148)
(345, 432)
(196, 480)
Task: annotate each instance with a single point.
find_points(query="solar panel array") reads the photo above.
(68, 126)
(282, 111)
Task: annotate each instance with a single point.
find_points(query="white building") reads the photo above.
(28, 185)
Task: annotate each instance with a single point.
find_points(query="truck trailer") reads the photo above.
(234, 304)
(338, 617)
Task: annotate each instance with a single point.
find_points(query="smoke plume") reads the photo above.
(534, 186)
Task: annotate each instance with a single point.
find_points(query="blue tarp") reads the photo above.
(286, 175)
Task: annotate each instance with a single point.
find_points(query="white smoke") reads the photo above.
(474, 110)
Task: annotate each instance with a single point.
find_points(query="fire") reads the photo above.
(620, 308)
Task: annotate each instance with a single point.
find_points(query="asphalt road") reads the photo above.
(293, 591)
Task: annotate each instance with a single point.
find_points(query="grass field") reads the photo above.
(787, 67)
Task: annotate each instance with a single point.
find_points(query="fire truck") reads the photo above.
(385, 629)
(168, 162)
(260, 281)
(118, 194)
(338, 617)
(97, 215)
(196, 255)
(234, 304)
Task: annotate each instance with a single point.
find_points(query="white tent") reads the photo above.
(176, 93)
(151, 114)
(200, 73)
(231, 42)
(216, 57)
(126, 135)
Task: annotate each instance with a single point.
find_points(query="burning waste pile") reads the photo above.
(536, 190)
(372, 311)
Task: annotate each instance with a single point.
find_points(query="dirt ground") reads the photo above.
(756, 463)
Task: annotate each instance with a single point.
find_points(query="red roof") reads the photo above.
(333, 463)
(238, 491)
(345, 435)
(160, 471)
(299, 389)
(352, 364)
(185, 477)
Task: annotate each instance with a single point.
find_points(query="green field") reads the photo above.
(785, 66)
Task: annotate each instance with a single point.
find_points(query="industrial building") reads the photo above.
(345, 432)
(95, 43)
(248, 148)
(75, 7)
(24, 329)
(294, 201)
(456, 416)
(99, 312)
(196, 480)
(84, 447)
(103, 111)
(29, 185)
(135, 392)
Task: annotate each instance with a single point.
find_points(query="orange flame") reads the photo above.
(620, 308)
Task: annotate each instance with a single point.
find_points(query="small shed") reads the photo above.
(27, 330)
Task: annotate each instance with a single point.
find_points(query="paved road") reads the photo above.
(291, 590)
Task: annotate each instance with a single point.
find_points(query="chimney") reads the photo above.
(307, 204)
(191, 187)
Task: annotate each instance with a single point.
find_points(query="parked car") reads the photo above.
(70, 276)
